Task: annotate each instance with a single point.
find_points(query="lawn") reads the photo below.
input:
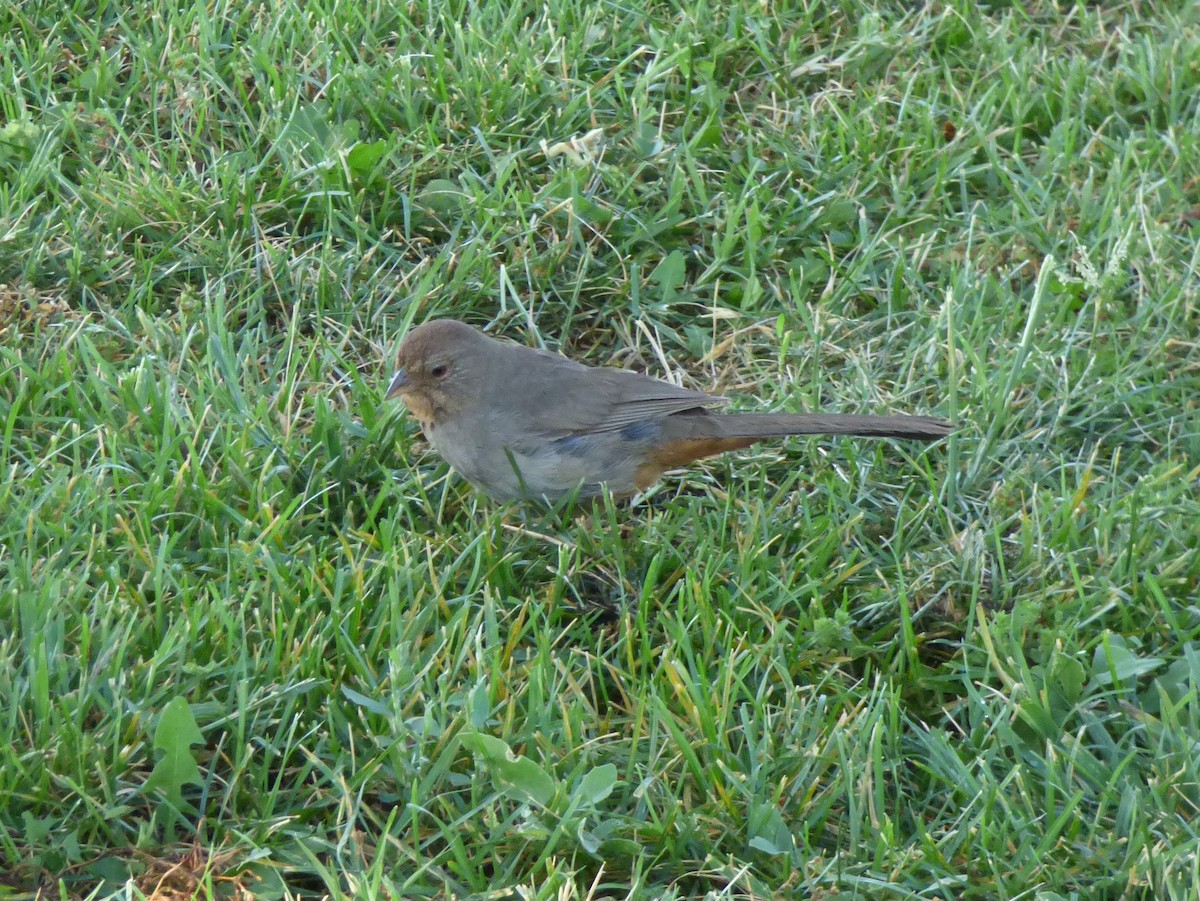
(256, 640)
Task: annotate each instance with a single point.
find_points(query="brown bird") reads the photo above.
(521, 423)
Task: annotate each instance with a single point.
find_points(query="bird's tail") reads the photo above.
(779, 425)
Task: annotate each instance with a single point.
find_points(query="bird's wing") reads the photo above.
(569, 397)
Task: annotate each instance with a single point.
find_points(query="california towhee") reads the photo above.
(521, 423)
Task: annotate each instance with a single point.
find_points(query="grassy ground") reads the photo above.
(253, 637)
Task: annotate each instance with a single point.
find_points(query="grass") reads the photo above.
(255, 639)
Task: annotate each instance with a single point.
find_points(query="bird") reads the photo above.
(523, 424)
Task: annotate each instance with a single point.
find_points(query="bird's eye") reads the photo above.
(439, 370)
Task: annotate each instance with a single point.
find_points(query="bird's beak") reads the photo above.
(397, 384)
